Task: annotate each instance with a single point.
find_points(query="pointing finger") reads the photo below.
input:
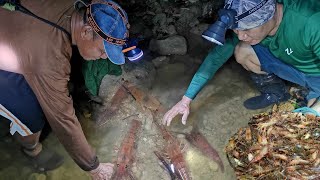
(185, 117)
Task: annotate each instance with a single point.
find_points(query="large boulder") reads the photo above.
(172, 45)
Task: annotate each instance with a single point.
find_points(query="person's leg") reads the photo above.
(313, 84)
(19, 104)
(271, 87)
(42, 159)
(30, 144)
(246, 56)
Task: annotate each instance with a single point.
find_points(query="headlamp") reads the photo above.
(228, 19)
(216, 32)
(131, 51)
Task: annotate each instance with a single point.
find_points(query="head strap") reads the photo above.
(248, 12)
(97, 29)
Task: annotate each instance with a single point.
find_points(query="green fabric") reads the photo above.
(94, 71)
(297, 42)
(9, 7)
(214, 60)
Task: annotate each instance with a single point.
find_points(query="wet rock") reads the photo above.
(5, 155)
(213, 166)
(194, 23)
(224, 123)
(36, 176)
(224, 131)
(172, 45)
(186, 19)
(193, 1)
(171, 30)
(162, 16)
(196, 9)
(26, 170)
(205, 123)
(188, 129)
(71, 172)
(96, 99)
(171, 78)
(181, 136)
(136, 171)
(159, 61)
(135, 73)
(109, 85)
(140, 30)
(139, 73)
(207, 9)
(148, 125)
(160, 19)
(9, 173)
(156, 7)
(199, 29)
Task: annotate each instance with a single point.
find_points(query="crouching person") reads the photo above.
(35, 68)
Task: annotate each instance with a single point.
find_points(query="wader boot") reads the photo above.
(42, 159)
(272, 89)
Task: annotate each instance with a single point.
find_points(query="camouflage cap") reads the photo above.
(257, 18)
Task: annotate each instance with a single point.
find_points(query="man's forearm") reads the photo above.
(214, 60)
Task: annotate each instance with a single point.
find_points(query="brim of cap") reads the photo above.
(114, 53)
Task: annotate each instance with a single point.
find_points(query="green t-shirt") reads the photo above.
(296, 42)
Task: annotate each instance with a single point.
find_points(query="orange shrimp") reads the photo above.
(125, 155)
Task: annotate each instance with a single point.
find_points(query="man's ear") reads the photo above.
(86, 32)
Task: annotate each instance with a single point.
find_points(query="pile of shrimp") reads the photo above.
(277, 145)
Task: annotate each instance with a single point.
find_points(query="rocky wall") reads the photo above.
(171, 21)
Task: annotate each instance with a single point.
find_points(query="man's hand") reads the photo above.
(182, 107)
(103, 172)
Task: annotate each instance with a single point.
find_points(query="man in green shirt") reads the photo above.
(278, 40)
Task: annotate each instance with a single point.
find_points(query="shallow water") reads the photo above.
(217, 111)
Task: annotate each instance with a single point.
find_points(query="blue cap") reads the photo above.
(112, 22)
